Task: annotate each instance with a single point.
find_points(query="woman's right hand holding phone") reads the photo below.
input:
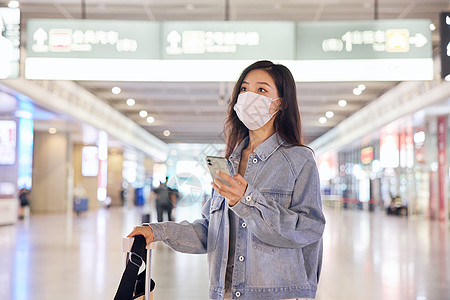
(146, 231)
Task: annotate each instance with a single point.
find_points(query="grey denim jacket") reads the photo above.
(279, 237)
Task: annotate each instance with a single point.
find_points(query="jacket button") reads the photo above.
(238, 294)
(244, 225)
(248, 198)
(255, 160)
(241, 258)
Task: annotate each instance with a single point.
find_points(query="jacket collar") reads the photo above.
(263, 151)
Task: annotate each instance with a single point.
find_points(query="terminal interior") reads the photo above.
(100, 101)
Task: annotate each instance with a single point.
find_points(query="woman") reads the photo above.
(263, 235)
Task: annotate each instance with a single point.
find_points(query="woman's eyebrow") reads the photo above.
(260, 82)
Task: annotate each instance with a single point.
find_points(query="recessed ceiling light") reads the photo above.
(13, 4)
(362, 87)
(329, 114)
(342, 103)
(116, 90)
(166, 132)
(143, 113)
(131, 102)
(322, 120)
(173, 152)
(150, 120)
(52, 130)
(432, 27)
(357, 91)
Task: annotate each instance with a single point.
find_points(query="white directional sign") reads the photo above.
(381, 50)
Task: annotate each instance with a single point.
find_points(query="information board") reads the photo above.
(375, 50)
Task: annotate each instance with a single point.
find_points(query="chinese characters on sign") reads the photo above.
(391, 40)
(199, 42)
(68, 40)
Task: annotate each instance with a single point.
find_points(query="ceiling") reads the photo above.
(193, 112)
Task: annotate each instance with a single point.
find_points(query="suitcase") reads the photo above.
(80, 205)
(134, 285)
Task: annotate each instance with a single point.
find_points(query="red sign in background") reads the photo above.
(442, 162)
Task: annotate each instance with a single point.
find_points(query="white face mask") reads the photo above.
(254, 109)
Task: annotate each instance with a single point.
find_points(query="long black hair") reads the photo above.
(287, 121)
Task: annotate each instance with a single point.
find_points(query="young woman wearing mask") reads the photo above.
(263, 234)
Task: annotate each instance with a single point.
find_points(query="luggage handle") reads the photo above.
(127, 242)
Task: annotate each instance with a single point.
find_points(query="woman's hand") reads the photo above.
(146, 231)
(234, 192)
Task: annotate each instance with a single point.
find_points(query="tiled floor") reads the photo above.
(366, 256)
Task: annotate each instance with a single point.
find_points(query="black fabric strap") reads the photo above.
(127, 284)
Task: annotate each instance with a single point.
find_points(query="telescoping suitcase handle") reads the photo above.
(126, 247)
(136, 256)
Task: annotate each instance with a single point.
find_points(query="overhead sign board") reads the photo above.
(375, 39)
(9, 42)
(392, 50)
(444, 31)
(386, 50)
(235, 40)
(100, 39)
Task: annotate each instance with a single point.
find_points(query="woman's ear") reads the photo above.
(275, 105)
(280, 104)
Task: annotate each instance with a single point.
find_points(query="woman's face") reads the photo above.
(260, 82)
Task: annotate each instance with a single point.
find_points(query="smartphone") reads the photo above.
(215, 163)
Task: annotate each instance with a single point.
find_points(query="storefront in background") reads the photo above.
(404, 162)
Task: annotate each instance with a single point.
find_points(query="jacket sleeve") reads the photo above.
(185, 237)
(297, 226)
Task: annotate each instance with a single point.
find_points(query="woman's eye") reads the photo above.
(243, 89)
(261, 90)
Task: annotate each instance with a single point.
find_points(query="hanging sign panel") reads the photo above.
(382, 50)
(237, 40)
(97, 39)
(385, 50)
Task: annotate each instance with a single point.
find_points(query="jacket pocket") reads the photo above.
(215, 220)
(282, 197)
(259, 245)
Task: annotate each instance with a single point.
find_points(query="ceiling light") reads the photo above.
(166, 132)
(329, 114)
(362, 87)
(432, 27)
(143, 113)
(13, 4)
(322, 120)
(116, 90)
(52, 130)
(357, 91)
(342, 103)
(150, 120)
(173, 152)
(131, 102)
